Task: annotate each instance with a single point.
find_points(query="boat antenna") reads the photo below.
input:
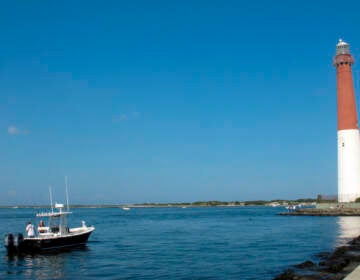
(51, 203)
(67, 193)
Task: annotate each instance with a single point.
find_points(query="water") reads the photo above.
(177, 243)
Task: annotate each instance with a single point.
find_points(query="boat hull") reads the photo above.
(48, 244)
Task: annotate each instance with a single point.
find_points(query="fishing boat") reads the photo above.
(55, 235)
(52, 235)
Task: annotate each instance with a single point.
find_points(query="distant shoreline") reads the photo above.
(270, 203)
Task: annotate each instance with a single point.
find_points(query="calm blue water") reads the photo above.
(176, 243)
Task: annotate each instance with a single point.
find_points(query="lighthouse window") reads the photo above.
(343, 144)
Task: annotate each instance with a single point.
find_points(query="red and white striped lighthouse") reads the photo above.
(348, 131)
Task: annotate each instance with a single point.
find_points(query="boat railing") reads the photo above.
(52, 214)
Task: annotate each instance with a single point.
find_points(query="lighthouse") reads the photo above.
(348, 131)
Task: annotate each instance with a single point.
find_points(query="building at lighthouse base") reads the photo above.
(348, 165)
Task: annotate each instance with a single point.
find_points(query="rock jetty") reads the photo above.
(336, 211)
(332, 266)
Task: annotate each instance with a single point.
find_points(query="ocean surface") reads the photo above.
(180, 243)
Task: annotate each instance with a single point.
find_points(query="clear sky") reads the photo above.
(170, 101)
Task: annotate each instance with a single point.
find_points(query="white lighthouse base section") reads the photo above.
(348, 165)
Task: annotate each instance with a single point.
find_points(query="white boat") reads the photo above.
(126, 208)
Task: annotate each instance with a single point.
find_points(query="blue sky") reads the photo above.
(169, 101)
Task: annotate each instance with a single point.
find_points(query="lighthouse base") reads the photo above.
(348, 165)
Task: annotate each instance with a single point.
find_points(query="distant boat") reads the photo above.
(274, 204)
(292, 207)
(126, 208)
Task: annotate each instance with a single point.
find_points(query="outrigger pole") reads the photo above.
(51, 203)
(67, 193)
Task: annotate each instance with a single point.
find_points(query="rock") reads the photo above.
(339, 252)
(306, 264)
(286, 275)
(336, 266)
